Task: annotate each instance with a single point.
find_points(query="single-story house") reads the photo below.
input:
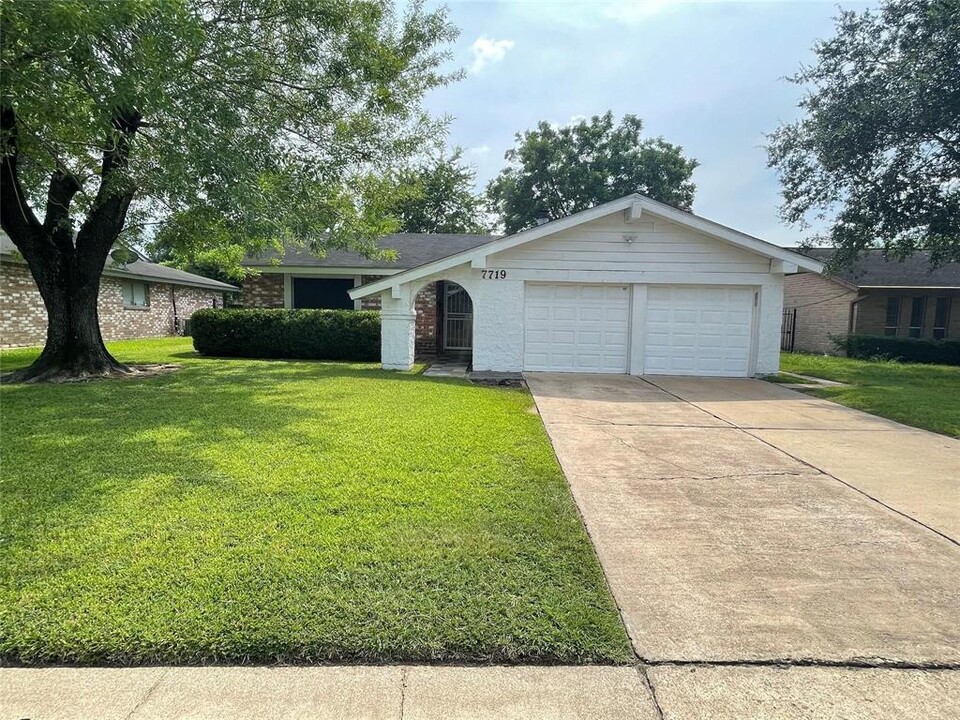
(138, 299)
(905, 298)
(301, 279)
(631, 286)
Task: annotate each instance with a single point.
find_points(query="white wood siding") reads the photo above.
(658, 246)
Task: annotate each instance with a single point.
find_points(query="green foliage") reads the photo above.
(307, 334)
(259, 122)
(925, 396)
(867, 347)
(562, 170)
(877, 151)
(438, 197)
(252, 511)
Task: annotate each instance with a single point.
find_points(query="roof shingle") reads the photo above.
(412, 249)
(872, 270)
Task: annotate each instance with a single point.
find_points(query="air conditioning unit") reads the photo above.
(187, 331)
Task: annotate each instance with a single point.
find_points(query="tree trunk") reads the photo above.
(74, 347)
(67, 269)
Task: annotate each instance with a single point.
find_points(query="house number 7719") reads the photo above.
(494, 275)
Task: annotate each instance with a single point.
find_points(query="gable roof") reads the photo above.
(412, 249)
(138, 269)
(635, 203)
(873, 270)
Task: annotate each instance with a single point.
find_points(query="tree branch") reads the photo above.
(63, 186)
(16, 216)
(109, 210)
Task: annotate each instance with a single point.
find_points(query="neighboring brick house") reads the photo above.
(876, 297)
(140, 299)
(301, 279)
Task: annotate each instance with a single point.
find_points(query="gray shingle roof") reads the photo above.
(413, 249)
(141, 269)
(872, 270)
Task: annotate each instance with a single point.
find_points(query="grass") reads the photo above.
(925, 396)
(259, 511)
(788, 379)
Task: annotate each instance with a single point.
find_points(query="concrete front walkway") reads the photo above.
(748, 526)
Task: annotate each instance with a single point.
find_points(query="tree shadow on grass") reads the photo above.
(290, 510)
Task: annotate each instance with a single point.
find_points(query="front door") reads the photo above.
(457, 318)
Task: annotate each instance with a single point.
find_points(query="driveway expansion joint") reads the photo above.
(746, 431)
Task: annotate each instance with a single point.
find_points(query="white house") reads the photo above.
(630, 286)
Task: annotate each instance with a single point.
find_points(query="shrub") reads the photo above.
(309, 334)
(871, 347)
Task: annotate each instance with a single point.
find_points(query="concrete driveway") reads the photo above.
(741, 524)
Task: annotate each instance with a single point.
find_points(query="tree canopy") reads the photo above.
(876, 154)
(562, 170)
(437, 196)
(260, 121)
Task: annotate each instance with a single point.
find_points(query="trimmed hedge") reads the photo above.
(308, 334)
(869, 347)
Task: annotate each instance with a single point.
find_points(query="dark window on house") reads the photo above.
(918, 308)
(892, 322)
(135, 294)
(941, 318)
(327, 293)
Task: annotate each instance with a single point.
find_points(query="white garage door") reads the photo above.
(694, 330)
(576, 328)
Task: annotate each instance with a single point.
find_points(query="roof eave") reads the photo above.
(735, 237)
(221, 287)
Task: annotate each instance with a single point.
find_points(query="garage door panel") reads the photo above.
(585, 329)
(693, 330)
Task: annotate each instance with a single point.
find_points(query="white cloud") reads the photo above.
(478, 150)
(487, 50)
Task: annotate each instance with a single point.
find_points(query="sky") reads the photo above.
(708, 76)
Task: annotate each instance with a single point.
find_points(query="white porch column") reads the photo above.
(397, 333)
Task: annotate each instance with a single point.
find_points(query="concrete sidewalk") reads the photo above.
(477, 693)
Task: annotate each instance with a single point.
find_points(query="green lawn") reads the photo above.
(925, 396)
(260, 511)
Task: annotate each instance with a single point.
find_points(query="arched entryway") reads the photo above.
(454, 320)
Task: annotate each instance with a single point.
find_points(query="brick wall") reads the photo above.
(871, 315)
(371, 302)
(266, 291)
(24, 318)
(262, 291)
(823, 309)
(426, 326)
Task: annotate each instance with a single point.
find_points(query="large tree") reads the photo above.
(562, 170)
(876, 154)
(265, 120)
(437, 196)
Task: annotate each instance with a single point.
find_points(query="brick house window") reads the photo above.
(892, 323)
(941, 318)
(918, 308)
(135, 294)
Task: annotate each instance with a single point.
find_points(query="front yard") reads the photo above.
(261, 511)
(925, 396)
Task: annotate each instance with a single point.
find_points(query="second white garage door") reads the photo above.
(576, 328)
(693, 330)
